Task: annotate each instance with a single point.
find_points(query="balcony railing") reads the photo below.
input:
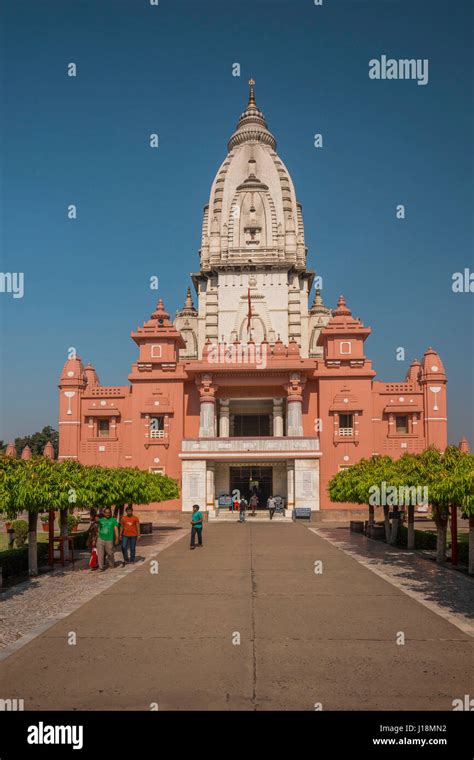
(157, 434)
(345, 432)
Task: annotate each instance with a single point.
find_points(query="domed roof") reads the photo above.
(252, 215)
(251, 125)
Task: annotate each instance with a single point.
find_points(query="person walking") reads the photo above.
(92, 540)
(129, 533)
(196, 526)
(254, 503)
(242, 508)
(108, 535)
(271, 506)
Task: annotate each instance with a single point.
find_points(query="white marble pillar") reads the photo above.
(290, 484)
(210, 485)
(207, 418)
(278, 417)
(224, 426)
(294, 418)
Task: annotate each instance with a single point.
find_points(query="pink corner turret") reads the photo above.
(433, 381)
(464, 445)
(71, 385)
(343, 337)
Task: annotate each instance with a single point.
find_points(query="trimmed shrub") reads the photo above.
(80, 539)
(21, 532)
(15, 561)
(423, 539)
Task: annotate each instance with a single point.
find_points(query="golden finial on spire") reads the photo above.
(251, 92)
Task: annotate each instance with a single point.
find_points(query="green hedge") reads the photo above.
(423, 538)
(427, 540)
(15, 561)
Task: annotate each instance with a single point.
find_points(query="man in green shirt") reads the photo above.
(196, 526)
(108, 535)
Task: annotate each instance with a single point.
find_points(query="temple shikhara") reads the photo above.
(256, 385)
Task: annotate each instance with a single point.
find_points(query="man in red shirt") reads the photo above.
(129, 532)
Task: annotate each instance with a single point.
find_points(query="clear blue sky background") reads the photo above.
(168, 69)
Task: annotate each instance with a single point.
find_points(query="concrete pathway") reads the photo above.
(441, 588)
(245, 623)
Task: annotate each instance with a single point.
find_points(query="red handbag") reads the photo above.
(94, 560)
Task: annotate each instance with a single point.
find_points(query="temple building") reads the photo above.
(256, 384)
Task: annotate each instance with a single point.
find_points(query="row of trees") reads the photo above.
(41, 484)
(444, 479)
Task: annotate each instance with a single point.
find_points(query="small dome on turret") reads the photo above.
(92, 378)
(464, 445)
(251, 125)
(431, 363)
(73, 372)
(413, 373)
(318, 306)
(161, 315)
(188, 310)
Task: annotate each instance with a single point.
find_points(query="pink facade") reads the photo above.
(254, 388)
(155, 421)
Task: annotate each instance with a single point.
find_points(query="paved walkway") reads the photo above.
(35, 604)
(441, 588)
(246, 623)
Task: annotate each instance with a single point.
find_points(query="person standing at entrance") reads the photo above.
(242, 508)
(271, 506)
(196, 526)
(254, 503)
(108, 535)
(129, 532)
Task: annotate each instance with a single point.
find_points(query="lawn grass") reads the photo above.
(42, 536)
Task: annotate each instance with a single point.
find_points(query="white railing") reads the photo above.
(157, 434)
(346, 431)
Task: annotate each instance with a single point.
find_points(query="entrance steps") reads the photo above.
(224, 515)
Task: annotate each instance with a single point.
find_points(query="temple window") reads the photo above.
(346, 424)
(103, 428)
(401, 423)
(156, 351)
(345, 347)
(157, 426)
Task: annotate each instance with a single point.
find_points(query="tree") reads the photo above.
(365, 483)
(37, 441)
(41, 484)
(455, 488)
(448, 478)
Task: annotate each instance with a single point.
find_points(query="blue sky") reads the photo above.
(168, 69)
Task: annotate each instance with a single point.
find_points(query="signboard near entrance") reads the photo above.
(224, 500)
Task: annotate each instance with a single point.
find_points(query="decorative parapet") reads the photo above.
(242, 445)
